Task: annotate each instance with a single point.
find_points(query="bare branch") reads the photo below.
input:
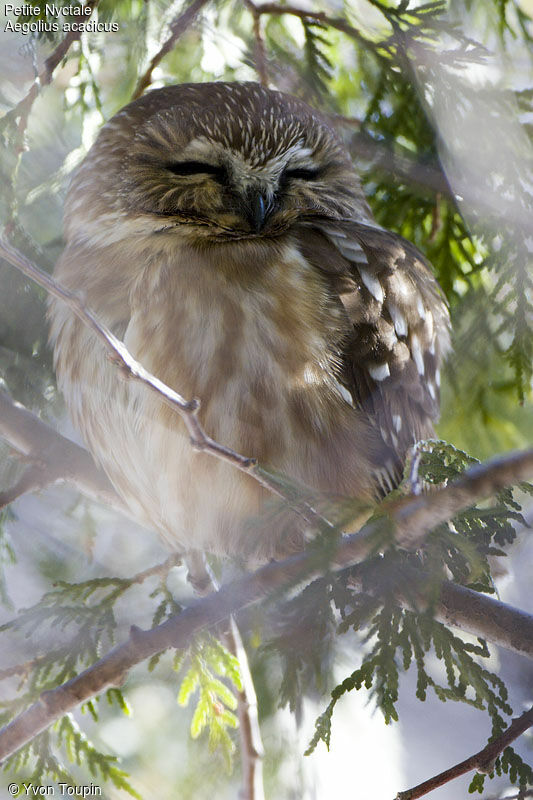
(177, 28)
(23, 108)
(31, 480)
(338, 23)
(486, 617)
(252, 750)
(260, 52)
(54, 457)
(23, 669)
(482, 761)
(160, 569)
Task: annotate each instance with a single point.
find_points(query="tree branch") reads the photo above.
(54, 457)
(482, 761)
(322, 17)
(177, 28)
(31, 480)
(474, 612)
(25, 668)
(414, 518)
(252, 750)
(22, 110)
(260, 52)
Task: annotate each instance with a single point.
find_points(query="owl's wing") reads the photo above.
(398, 326)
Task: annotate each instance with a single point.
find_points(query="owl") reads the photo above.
(221, 231)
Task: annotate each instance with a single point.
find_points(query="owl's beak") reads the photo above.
(257, 208)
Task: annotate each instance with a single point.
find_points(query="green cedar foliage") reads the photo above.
(384, 71)
(85, 612)
(394, 639)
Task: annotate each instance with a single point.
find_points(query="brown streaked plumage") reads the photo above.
(221, 231)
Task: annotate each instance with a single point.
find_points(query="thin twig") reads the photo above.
(23, 669)
(260, 51)
(177, 28)
(482, 761)
(23, 108)
(252, 750)
(341, 120)
(322, 17)
(161, 570)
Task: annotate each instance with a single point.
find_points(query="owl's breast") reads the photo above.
(250, 330)
(254, 334)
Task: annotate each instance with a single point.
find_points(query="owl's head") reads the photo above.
(216, 160)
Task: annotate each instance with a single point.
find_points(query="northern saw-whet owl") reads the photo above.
(221, 231)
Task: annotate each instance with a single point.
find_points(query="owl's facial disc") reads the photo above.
(253, 165)
(234, 194)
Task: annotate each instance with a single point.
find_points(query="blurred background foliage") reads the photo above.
(435, 102)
